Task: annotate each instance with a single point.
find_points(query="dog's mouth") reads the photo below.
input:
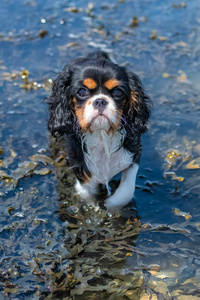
(100, 116)
(100, 122)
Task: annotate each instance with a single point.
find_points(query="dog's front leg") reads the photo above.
(124, 193)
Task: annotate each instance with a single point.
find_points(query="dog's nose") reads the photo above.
(100, 104)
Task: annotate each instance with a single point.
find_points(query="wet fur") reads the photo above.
(63, 120)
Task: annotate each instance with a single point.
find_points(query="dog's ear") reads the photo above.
(138, 107)
(60, 109)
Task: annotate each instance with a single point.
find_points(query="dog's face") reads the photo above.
(99, 97)
(93, 93)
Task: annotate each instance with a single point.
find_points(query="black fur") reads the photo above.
(63, 121)
(136, 119)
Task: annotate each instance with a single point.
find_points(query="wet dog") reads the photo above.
(102, 111)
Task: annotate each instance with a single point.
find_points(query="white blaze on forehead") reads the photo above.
(101, 96)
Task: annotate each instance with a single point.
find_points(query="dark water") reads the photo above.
(52, 247)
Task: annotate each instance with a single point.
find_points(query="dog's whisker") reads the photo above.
(126, 123)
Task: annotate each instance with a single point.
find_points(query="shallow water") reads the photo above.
(52, 247)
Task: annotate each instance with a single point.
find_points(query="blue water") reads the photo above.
(36, 213)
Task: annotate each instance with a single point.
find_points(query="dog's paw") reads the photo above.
(87, 194)
(82, 191)
(118, 200)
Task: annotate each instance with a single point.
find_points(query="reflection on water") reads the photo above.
(52, 246)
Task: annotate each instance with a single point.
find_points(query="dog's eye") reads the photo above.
(117, 93)
(82, 92)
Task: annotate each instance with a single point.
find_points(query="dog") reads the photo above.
(102, 110)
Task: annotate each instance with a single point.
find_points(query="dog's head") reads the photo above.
(93, 93)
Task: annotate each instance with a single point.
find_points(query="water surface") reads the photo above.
(51, 246)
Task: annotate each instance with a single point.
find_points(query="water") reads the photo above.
(52, 247)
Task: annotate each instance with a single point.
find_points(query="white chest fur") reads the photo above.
(103, 158)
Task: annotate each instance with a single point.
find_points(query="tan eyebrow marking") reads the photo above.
(111, 83)
(90, 83)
